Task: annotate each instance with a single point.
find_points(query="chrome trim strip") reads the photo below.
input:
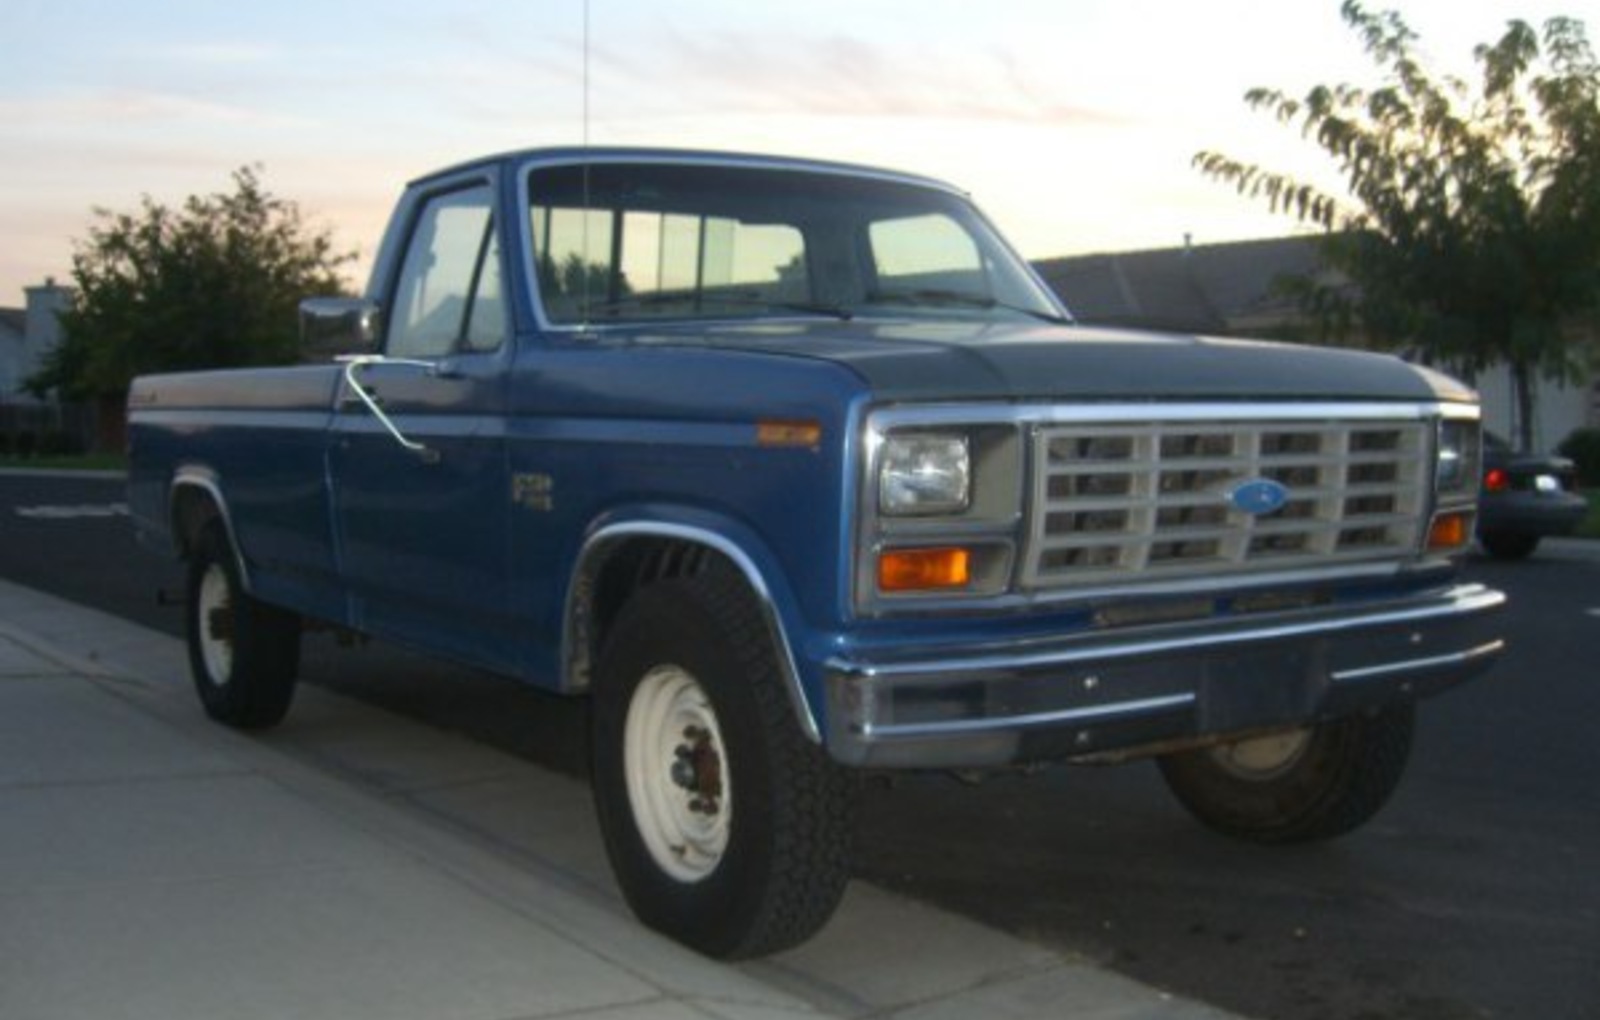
(1460, 600)
(1189, 411)
(1412, 665)
(574, 670)
(962, 727)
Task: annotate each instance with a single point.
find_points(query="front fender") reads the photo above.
(730, 538)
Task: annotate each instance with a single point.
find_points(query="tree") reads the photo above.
(1472, 225)
(214, 284)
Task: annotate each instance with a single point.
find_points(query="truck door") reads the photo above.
(421, 516)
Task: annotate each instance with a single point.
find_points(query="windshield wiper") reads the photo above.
(808, 307)
(964, 299)
(610, 307)
(697, 305)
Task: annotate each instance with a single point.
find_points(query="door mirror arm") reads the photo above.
(354, 363)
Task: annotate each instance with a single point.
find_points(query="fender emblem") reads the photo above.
(533, 491)
(1258, 496)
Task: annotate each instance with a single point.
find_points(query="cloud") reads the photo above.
(121, 107)
(833, 76)
(220, 53)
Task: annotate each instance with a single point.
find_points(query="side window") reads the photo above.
(487, 324)
(450, 295)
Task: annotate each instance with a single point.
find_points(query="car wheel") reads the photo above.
(727, 828)
(243, 654)
(1508, 545)
(1303, 785)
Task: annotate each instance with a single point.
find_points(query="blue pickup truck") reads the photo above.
(795, 470)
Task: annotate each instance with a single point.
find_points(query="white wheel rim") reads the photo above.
(215, 606)
(678, 783)
(1262, 758)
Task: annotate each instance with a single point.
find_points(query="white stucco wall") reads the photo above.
(1560, 409)
(21, 353)
(11, 355)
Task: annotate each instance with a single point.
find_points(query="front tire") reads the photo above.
(728, 830)
(1304, 785)
(243, 654)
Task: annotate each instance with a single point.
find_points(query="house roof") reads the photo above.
(14, 320)
(1200, 288)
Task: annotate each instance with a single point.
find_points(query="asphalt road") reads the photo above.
(1475, 894)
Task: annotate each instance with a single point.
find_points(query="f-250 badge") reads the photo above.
(536, 492)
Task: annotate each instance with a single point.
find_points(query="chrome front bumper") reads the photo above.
(1120, 691)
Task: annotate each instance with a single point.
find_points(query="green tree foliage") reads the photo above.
(1472, 224)
(215, 284)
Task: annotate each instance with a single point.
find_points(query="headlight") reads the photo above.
(1457, 468)
(924, 473)
(1455, 486)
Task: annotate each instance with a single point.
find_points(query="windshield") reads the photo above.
(629, 242)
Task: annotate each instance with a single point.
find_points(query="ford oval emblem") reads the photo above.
(1259, 496)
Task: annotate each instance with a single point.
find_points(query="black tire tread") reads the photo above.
(266, 654)
(808, 823)
(815, 810)
(1347, 775)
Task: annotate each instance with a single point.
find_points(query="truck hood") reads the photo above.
(948, 360)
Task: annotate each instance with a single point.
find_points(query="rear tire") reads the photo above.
(1300, 786)
(243, 654)
(728, 829)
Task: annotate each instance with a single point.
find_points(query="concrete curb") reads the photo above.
(97, 475)
(353, 863)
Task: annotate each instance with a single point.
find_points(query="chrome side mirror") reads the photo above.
(332, 326)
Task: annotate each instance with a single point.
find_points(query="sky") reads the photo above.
(1071, 122)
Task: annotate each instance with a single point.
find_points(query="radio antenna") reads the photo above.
(586, 75)
(583, 270)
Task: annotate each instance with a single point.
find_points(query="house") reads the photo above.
(1213, 289)
(13, 342)
(1239, 289)
(29, 424)
(27, 334)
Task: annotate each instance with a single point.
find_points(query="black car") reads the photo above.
(1524, 497)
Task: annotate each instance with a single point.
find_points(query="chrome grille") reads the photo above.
(1117, 503)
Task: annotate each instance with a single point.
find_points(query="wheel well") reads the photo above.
(612, 571)
(193, 508)
(641, 562)
(623, 569)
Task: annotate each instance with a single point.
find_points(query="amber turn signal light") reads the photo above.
(785, 432)
(903, 570)
(1450, 531)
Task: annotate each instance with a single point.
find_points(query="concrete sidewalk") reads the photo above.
(354, 864)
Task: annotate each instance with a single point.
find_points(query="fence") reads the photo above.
(46, 430)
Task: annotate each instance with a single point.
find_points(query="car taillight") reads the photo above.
(1496, 480)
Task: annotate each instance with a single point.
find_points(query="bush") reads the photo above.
(59, 444)
(1583, 447)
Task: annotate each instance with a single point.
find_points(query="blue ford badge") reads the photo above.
(1259, 496)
